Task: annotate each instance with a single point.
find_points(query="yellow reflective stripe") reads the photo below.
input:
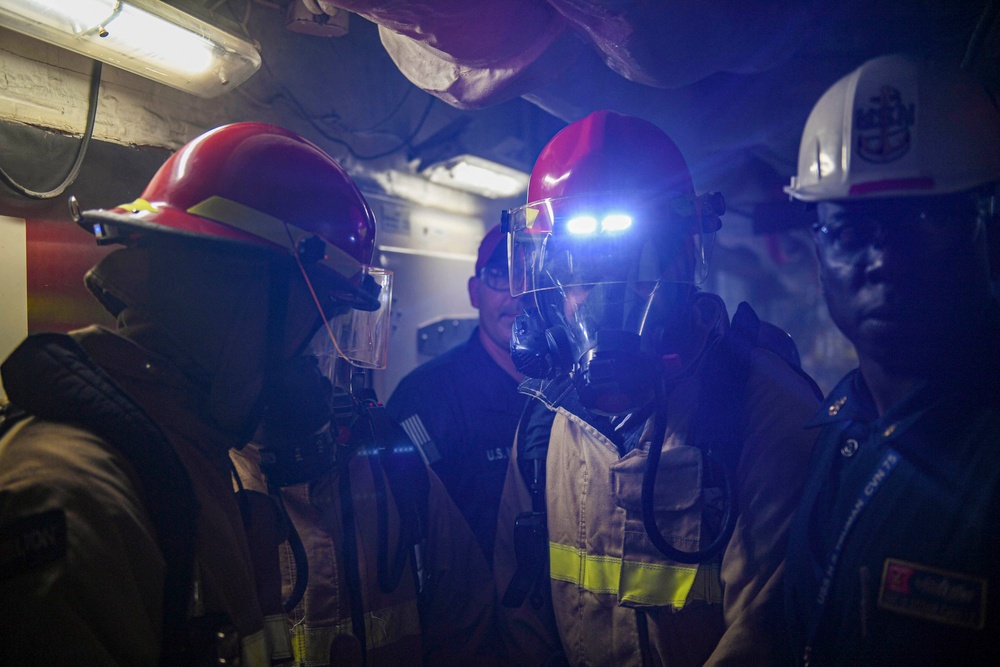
(599, 574)
(311, 645)
(244, 218)
(273, 229)
(633, 581)
(656, 584)
(140, 204)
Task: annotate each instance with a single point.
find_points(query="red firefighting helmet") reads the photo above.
(257, 184)
(609, 152)
(602, 180)
(898, 126)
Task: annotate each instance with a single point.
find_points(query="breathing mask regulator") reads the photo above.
(612, 278)
(614, 360)
(305, 424)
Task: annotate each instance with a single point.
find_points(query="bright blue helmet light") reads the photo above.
(583, 224)
(616, 222)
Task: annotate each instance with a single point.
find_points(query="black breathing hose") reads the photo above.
(648, 486)
(298, 555)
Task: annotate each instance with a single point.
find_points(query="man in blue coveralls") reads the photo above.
(462, 408)
(893, 557)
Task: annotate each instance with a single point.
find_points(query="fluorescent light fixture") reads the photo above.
(146, 37)
(478, 175)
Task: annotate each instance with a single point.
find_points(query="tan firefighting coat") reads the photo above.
(99, 601)
(616, 600)
(454, 623)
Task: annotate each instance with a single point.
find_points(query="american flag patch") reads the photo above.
(421, 438)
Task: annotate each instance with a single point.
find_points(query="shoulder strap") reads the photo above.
(392, 457)
(533, 431)
(406, 472)
(530, 532)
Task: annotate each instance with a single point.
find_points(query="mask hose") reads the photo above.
(648, 485)
(298, 555)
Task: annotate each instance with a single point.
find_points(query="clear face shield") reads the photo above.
(311, 397)
(360, 337)
(609, 277)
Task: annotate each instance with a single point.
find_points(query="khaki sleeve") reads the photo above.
(770, 477)
(82, 576)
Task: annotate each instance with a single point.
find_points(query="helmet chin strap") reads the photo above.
(274, 344)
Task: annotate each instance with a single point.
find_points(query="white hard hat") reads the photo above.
(898, 126)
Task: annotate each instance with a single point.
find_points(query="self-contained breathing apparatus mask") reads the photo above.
(609, 277)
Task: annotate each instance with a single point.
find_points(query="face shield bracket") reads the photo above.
(311, 250)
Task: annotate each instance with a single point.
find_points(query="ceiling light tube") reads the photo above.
(146, 37)
(478, 175)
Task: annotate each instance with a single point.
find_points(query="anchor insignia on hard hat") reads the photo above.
(883, 129)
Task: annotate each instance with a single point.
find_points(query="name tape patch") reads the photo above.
(933, 594)
(32, 542)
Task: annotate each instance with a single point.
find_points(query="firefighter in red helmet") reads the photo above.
(645, 510)
(122, 540)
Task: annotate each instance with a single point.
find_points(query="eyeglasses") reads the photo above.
(495, 278)
(928, 226)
